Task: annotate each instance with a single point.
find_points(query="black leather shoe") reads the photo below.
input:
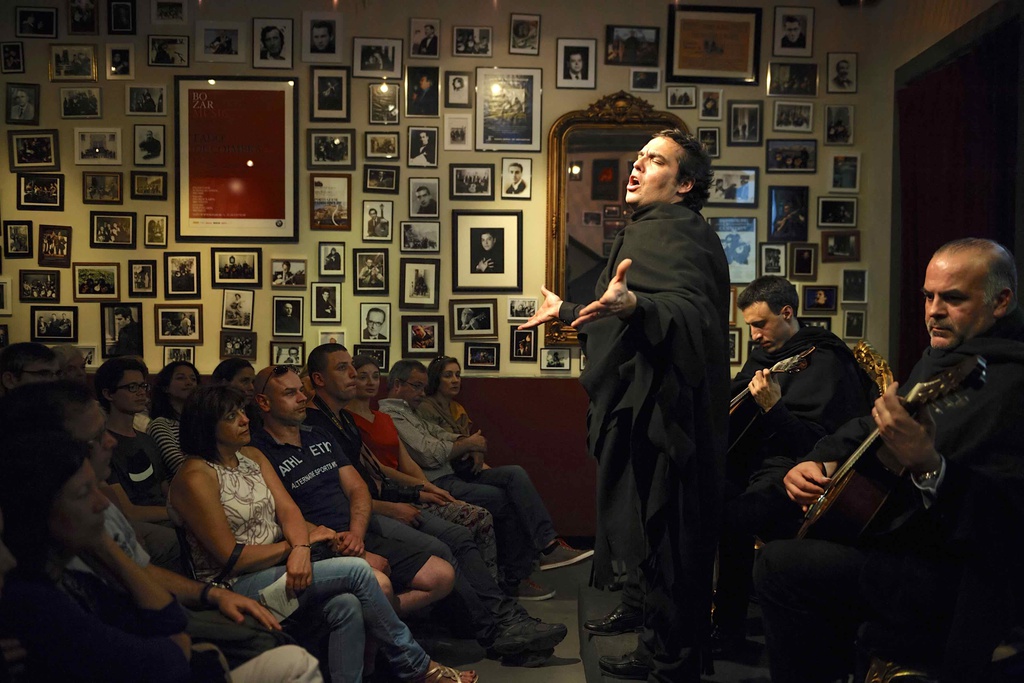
(625, 666)
(622, 619)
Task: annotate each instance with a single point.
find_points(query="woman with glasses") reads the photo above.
(173, 385)
(244, 529)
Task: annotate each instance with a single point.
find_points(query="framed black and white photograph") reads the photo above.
(378, 220)
(524, 34)
(288, 273)
(330, 94)
(12, 57)
(521, 308)
(40, 192)
(458, 132)
(375, 323)
(81, 103)
(735, 346)
(820, 298)
(794, 32)
(155, 226)
(471, 181)
(842, 72)
(745, 123)
(380, 355)
(98, 146)
(39, 286)
(35, 22)
(487, 251)
(423, 198)
(54, 324)
(173, 354)
(332, 336)
(372, 272)
(422, 336)
(71, 63)
(321, 42)
(855, 286)
(457, 88)
(377, 58)
(472, 41)
(222, 41)
(631, 45)
(555, 359)
(844, 172)
(424, 38)
(522, 345)
(122, 17)
(97, 281)
(793, 116)
(54, 246)
(739, 240)
(237, 344)
(288, 316)
(167, 51)
(855, 324)
(421, 236)
(710, 104)
(837, 212)
(840, 246)
(111, 230)
(326, 306)
(473, 318)
(381, 144)
(120, 329)
(241, 267)
(792, 78)
(791, 156)
(380, 179)
(772, 259)
(288, 353)
(331, 259)
(182, 275)
(330, 201)
(645, 80)
(508, 109)
(178, 323)
(516, 177)
(481, 356)
(120, 62)
(681, 97)
(838, 124)
(149, 185)
(577, 63)
(709, 137)
(149, 144)
(22, 104)
(421, 284)
(734, 186)
(272, 43)
(384, 104)
(102, 188)
(35, 150)
(169, 12)
(422, 147)
(142, 282)
(421, 88)
(803, 261)
(788, 207)
(331, 148)
(18, 242)
(83, 17)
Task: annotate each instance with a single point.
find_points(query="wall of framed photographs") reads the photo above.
(352, 187)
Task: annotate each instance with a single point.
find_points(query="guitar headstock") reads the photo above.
(968, 373)
(793, 363)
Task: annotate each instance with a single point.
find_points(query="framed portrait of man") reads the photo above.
(425, 38)
(577, 63)
(376, 322)
(320, 43)
(794, 32)
(272, 43)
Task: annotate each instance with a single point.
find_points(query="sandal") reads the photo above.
(439, 673)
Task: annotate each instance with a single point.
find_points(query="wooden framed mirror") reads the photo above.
(590, 155)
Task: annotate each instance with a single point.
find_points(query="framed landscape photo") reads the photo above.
(54, 324)
(241, 267)
(422, 336)
(420, 281)
(288, 353)
(38, 286)
(421, 236)
(40, 192)
(288, 316)
(457, 88)
(178, 323)
(120, 329)
(81, 103)
(330, 201)
(142, 278)
(837, 212)
(326, 307)
(330, 94)
(794, 32)
(120, 62)
(473, 318)
(842, 72)
(471, 181)
(35, 150)
(97, 281)
(332, 259)
(181, 275)
(54, 246)
(238, 344)
(844, 172)
(792, 78)
(713, 45)
(840, 245)
(372, 272)
(820, 298)
(524, 34)
(320, 33)
(522, 345)
(745, 123)
(481, 356)
(791, 156)
(855, 286)
(149, 144)
(838, 124)
(377, 58)
(167, 51)
(631, 45)
(508, 109)
(487, 251)
(803, 261)
(102, 188)
(381, 144)
(375, 322)
(576, 64)
(734, 186)
(331, 149)
(793, 116)
(151, 185)
(739, 240)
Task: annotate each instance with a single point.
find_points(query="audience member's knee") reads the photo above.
(439, 576)
(385, 586)
(343, 609)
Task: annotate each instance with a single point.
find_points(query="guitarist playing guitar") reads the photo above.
(938, 570)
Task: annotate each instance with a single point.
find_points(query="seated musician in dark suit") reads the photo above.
(781, 419)
(938, 568)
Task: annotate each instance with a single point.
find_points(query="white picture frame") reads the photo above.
(321, 37)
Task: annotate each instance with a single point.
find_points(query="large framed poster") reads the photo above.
(508, 109)
(708, 44)
(236, 183)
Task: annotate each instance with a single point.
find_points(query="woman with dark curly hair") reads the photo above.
(172, 386)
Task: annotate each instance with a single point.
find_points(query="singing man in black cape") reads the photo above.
(936, 577)
(657, 378)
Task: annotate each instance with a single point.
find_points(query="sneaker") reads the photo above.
(527, 635)
(562, 555)
(529, 589)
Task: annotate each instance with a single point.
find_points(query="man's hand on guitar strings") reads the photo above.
(805, 482)
(911, 440)
(765, 389)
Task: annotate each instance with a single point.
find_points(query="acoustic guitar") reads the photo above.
(788, 366)
(861, 485)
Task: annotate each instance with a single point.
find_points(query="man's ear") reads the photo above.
(317, 379)
(787, 312)
(8, 380)
(263, 402)
(684, 187)
(1002, 303)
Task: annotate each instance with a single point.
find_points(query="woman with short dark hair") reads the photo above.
(173, 385)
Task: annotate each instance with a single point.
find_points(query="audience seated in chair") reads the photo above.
(172, 386)
(71, 363)
(26, 362)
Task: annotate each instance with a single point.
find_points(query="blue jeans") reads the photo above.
(345, 595)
